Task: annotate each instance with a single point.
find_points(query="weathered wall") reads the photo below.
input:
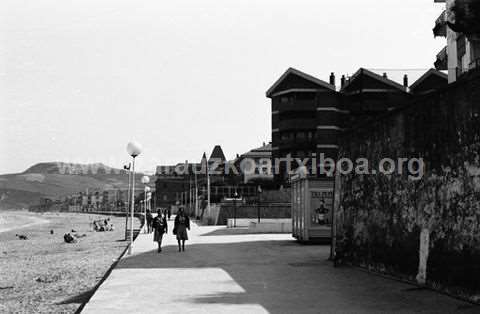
(380, 217)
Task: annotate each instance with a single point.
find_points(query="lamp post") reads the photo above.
(128, 168)
(133, 149)
(235, 209)
(259, 190)
(145, 180)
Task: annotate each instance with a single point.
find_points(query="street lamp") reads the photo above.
(235, 209)
(259, 190)
(128, 168)
(133, 149)
(145, 180)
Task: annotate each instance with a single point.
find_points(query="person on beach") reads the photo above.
(149, 219)
(160, 226)
(182, 223)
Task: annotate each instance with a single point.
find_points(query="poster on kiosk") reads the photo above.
(312, 205)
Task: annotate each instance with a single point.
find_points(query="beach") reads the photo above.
(44, 274)
(19, 220)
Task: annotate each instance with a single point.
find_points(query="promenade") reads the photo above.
(225, 271)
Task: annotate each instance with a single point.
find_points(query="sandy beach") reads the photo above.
(19, 220)
(46, 275)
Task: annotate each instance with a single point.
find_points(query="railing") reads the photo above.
(474, 65)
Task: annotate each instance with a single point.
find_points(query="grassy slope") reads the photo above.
(23, 189)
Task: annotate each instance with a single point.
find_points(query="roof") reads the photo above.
(264, 150)
(363, 71)
(426, 75)
(217, 153)
(305, 76)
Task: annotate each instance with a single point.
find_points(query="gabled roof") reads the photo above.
(305, 76)
(362, 71)
(217, 153)
(430, 73)
(264, 150)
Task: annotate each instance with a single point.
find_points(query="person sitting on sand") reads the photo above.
(160, 227)
(21, 236)
(67, 237)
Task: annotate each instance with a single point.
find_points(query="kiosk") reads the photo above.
(312, 205)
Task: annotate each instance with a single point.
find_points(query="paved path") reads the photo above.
(221, 272)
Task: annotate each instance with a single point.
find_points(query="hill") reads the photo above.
(56, 180)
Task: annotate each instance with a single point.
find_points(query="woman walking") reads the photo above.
(182, 223)
(149, 219)
(160, 227)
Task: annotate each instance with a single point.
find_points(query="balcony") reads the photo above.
(297, 105)
(440, 28)
(441, 64)
(298, 143)
(297, 124)
(473, 66)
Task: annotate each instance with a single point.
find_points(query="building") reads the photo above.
(366, 95)
(187, 183)
(256, 165)
(309, 115)
(169, 184)
(459, 24)
(305, 116)
(429, 82)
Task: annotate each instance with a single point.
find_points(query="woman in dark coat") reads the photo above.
(149, 221)
(182, 223)
(160, 227)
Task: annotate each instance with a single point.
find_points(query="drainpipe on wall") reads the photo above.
(336, 204)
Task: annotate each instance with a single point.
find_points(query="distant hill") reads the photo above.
(57, 180)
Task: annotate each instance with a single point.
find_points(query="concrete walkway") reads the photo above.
(225, 271)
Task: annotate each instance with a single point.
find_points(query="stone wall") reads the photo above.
(381, 218)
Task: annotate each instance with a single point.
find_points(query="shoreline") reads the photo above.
(44, 273)
(22, 219)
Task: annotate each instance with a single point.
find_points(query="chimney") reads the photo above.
(263, 144)
(332, 79)
(385, 75)
(342, 81)
(405, 81)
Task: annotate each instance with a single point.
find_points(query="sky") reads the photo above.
(79, 79)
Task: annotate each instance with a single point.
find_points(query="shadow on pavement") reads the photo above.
(284, 277)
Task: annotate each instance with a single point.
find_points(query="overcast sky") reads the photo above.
(79, 79)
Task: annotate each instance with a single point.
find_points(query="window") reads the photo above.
(287, 115)
(300, 135)
(305, 96)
